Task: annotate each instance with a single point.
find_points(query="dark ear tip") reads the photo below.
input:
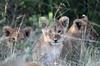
(28, 28)
(6, 28)
(64, 18)
(83, 15)
(75, 20)
(43, 19)
(27, 31)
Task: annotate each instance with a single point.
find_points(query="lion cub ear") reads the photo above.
(84, 17)
(7, 30)
(64, 21)
(43, 21)
(27, 31)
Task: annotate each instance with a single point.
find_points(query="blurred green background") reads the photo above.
(12, 11)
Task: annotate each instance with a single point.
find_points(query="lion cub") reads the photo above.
(15, 35)
(81, 30)
(49, 47)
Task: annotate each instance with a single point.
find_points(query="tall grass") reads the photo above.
(23, 50)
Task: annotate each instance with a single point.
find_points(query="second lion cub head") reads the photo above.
(16, 34)
(83, 27)
(55, 31)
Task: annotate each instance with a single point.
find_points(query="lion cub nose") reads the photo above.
(97, 35)
(55, 40)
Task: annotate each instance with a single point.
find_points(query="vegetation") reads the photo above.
(21, 13)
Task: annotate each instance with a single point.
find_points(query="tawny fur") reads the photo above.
(81, 29)
(46, 50)
(11, 35)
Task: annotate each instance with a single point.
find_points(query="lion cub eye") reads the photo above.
(50, 31)
(59, 31)
(13, 38)
(91, 30)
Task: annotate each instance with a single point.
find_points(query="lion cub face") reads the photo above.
(83, 27)
(17, 34)
(52, 40)
(54, 32)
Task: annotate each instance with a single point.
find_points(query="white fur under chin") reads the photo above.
(55, 43)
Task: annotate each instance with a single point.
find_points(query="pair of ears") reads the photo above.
(63, 20)
(7, 30)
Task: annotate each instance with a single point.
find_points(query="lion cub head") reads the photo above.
(16, 34)
(55, 31)
(83, 27)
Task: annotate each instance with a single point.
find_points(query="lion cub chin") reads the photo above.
(49, 47)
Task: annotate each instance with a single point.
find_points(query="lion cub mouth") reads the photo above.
(56, 43)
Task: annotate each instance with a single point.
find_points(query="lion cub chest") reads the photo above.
(52, 54)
